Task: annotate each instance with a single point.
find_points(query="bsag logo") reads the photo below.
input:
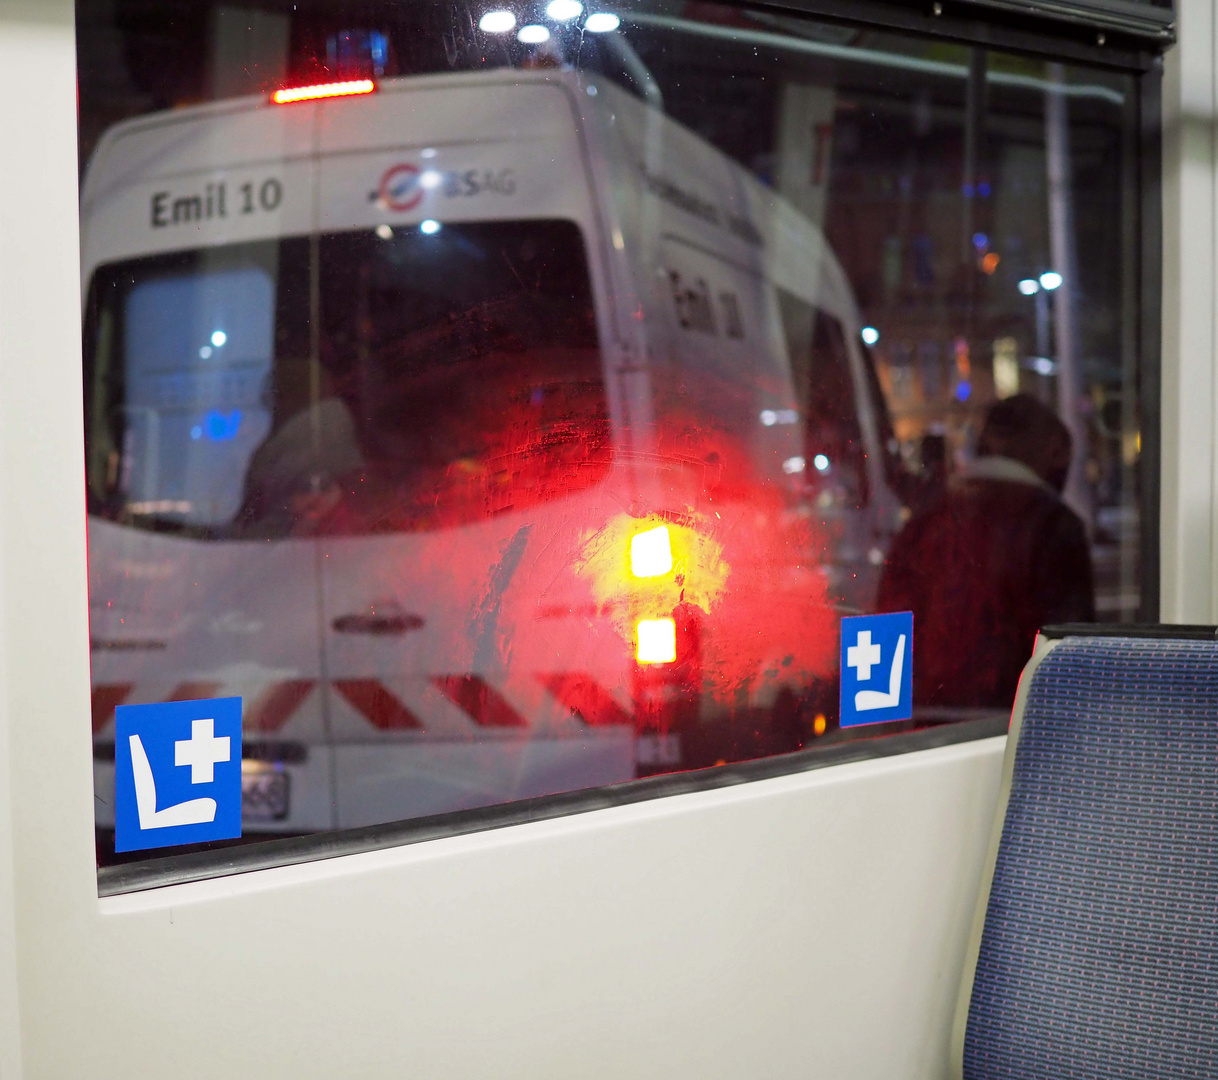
(399, 188)
(877, 668)
(177, 773)
(403, 186)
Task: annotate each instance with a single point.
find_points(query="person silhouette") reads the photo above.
(996, 556)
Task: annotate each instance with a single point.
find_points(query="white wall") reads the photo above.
(1190, 257)
(44, 758)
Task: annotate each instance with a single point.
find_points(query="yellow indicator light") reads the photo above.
(651, 553)
(657, 641)
(819, 724)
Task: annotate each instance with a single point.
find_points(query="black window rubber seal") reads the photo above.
(266, 854)
(1174, 631)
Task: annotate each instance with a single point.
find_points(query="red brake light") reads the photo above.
(323, 90)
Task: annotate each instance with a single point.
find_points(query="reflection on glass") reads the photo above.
(519, 403)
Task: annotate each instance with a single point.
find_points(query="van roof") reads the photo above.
(251, 130)
(125, 131)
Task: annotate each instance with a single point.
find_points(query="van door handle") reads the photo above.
(382, 625)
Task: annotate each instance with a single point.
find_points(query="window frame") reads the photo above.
(989, 24)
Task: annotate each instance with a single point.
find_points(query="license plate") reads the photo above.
(264, 794)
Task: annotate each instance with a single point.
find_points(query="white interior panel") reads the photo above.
(806, 925)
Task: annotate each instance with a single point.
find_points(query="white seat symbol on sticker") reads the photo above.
(866, 700)
(190, 812)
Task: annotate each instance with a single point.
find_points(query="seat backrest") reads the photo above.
(1095, 948)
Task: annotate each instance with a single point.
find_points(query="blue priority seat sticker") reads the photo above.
(177, 773)
(877, 668)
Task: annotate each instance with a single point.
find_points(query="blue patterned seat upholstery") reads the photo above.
(1097, 955)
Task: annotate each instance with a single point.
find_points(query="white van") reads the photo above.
(490, 435)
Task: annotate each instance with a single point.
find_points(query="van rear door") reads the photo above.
(202, 583)
(203, 570)
(461, 335)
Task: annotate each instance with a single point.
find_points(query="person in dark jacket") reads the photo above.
(996, 557)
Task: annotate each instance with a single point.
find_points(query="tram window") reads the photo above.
(528, 423)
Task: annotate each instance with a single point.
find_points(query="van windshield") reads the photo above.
(421, 379)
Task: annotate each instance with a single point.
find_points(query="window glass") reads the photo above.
(820, 370)
(469, 363)
(518, 403)
(447, 384)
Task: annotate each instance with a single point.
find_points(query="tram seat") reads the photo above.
(1094, 952)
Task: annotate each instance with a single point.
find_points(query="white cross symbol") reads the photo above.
(201, 751)
(863, 656)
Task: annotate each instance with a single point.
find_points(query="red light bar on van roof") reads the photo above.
(323, 90)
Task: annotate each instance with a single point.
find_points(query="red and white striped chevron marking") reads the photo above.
(376, 704)
(578, 692)
(268, 712)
